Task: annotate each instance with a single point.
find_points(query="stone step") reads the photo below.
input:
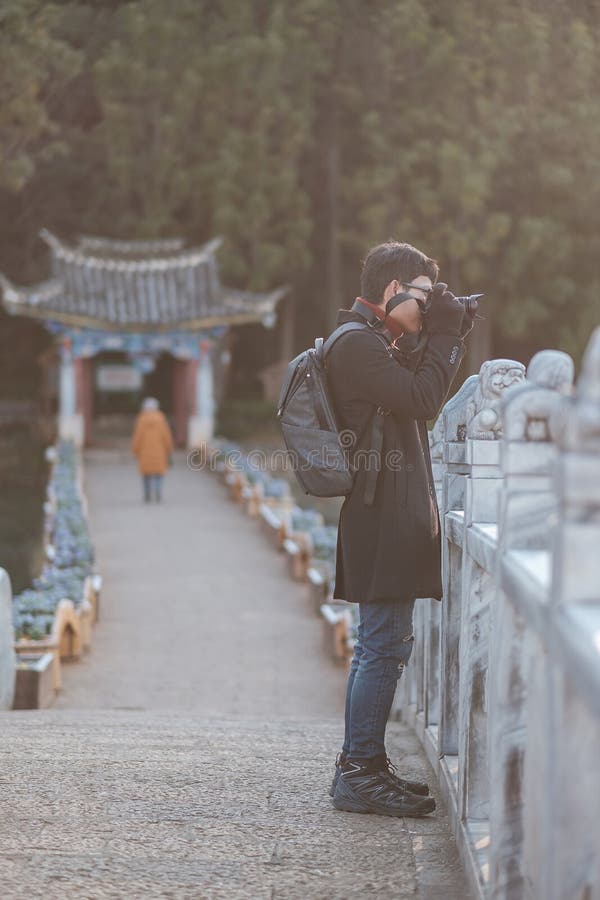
(121, 803)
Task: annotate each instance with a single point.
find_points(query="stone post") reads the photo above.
(7, 638)
(484, 430)
(575, 558)
(573, 727)
(527, 512)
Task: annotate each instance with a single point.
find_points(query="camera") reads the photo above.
(471, 303)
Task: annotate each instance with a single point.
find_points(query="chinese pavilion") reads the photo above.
(141, 299)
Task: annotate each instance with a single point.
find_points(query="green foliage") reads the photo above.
(34, 65)
(23, 474)
(22, 342)
(241, 419)
(72, 553)
(305, 132)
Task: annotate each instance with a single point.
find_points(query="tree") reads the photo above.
(306, 132)
(33, 68)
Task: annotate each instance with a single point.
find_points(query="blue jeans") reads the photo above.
(152, 487)
(383, 648)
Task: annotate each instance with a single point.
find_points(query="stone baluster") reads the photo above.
(484, 430)
(418, 658)
(432, 663)
(527, 509)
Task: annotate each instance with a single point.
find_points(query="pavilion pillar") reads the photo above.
(70, 420)
(183, 374)
(85, 395)
(201, 424)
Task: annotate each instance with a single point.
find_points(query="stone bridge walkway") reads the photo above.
(190, 754)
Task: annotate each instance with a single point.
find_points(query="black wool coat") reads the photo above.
(390, 550)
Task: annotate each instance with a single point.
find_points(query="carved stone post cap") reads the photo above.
(552, 369)
(576, 424)
(588, 384)
(484, 421)
(452, 421)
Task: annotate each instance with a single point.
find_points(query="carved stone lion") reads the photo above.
(552, 369)
(484, 421)
(528, 409)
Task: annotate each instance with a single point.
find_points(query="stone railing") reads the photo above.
(7, 638)
(504, 684)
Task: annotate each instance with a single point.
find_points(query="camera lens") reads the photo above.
(471, 305)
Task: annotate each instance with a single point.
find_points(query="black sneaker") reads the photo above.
(364, 788)
(420, 788)
(339, 762)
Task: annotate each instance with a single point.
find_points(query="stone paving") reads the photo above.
(190, 754)
(197, 611)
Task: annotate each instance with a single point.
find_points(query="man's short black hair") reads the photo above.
(393, 260)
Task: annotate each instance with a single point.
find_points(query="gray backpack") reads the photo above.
(307, 418)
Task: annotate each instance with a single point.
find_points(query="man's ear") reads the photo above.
(390, 291)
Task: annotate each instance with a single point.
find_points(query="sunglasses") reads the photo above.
(425, 304)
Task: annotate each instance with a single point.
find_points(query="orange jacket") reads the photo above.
(152, 442)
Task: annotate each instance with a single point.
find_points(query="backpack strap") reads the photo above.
(380, 412)
(337, 333)
(315, 396)
(341, 330)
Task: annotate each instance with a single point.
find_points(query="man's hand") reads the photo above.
(447, 313)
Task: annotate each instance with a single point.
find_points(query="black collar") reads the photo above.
(367, 313)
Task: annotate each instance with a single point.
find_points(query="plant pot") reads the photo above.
(34, 687)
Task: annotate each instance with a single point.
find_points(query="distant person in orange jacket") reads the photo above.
(152, 444)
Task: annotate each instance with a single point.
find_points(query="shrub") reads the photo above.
(72, 559)
(240, 419)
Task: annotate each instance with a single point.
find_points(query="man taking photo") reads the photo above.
(386, 381)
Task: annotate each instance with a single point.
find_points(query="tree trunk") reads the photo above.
(333, 196)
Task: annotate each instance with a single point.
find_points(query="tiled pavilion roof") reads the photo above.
(100, 246)
(137, 286)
